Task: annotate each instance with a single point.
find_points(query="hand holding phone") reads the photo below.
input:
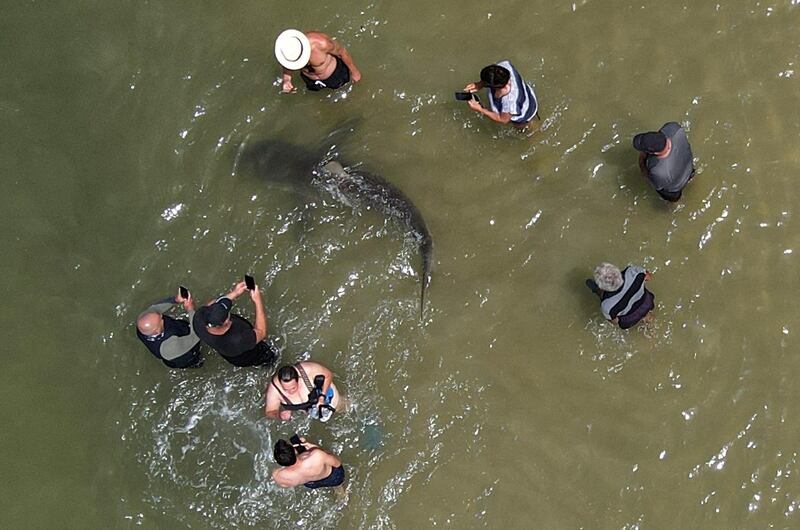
(184, 292)
(250, 282)
(298, 445)
(466, 96)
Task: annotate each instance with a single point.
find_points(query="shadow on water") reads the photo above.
(285, 163)
(575, 282)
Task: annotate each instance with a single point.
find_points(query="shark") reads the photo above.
(285, 163)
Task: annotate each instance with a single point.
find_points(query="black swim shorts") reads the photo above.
(334, 479)
(339, 78)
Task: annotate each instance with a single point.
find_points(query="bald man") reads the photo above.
(171, 340)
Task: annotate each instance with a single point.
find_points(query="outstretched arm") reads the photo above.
(261, 315)
(237, 290)
(286, 82)
(474, 87)
(499, 117)
(160, 306)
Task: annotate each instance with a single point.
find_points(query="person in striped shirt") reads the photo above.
(511, 99)
(624, 300)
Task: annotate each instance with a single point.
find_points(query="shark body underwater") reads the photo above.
(280, 162)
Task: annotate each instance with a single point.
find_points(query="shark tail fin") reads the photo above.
(426, 248)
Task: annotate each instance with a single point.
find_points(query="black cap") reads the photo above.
(650, 142)
(217, 313)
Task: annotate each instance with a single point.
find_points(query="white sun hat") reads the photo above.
(292, 49)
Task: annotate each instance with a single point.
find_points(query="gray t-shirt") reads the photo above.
(673, 172)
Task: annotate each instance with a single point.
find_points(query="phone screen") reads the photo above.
(250, 282)
(184, 291)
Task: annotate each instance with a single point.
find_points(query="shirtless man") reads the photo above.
(307, 464)
(323, 62)
(293, 385)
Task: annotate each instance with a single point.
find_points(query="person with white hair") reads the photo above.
(323, 62)
(624, 300)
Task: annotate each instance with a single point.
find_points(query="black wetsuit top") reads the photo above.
(172, 328)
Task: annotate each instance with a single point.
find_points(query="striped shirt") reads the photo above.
(520, 102)
(625, 299)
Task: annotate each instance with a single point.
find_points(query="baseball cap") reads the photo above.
(650, 142)
(217, 313)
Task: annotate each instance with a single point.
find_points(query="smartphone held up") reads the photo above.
(250, 282)
(298, 445)
(466, 96)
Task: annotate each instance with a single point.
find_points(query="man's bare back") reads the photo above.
(311, 465)
(323, 62)
(306, 464)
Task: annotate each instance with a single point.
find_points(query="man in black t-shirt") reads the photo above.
(233, 337)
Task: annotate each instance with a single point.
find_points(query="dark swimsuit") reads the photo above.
(339, 78)
(334, 479)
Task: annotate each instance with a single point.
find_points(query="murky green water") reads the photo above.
(513, 403)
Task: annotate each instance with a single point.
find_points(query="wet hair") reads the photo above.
(495, 76)
(608, 277)
(288, 373)
(284, 453)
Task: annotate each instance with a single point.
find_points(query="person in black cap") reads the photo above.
(233, 337)
(169, 339)
(666, 159)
